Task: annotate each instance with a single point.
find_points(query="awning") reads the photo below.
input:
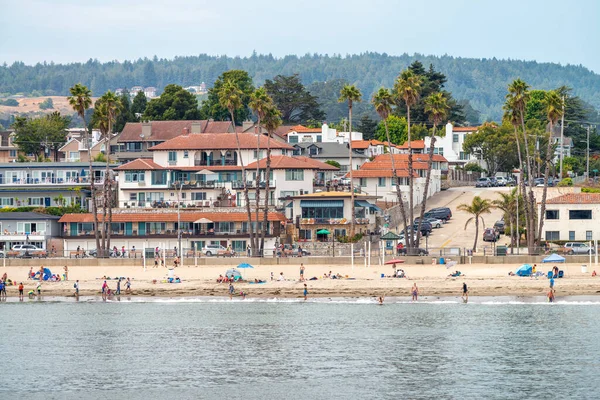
(203, 221)
(390, 236)
(321, 203)
(366, 204)
(323, 232)
(290, 204)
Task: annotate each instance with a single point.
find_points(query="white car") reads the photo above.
(213, 250)
(501, 181)
(26, 247)
(344, 181)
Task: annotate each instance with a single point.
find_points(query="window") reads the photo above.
(381, 182)
(552, 214)
(339, 233)
(85, 227)
(185, 154)
(159, 177)
(571, 235)
(135, 176)
(455, 138)
(286, 193)
(313, 150)
(73, 155)
(319, 138)
(133, 196)
(552, 235)
(580, 214)
(438, 150)
(292, 139)
(238, 246)
(305, 234)
(155, 227)
(13, 153)
(258, 154)
(322, 212)
(363, 182)
(133, 146)
(172, 157)
(36, 201)
(588, 235)
(6, 201)
(199, 196)
(464, 156)
(294, 174)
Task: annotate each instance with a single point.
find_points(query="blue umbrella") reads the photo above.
(245, 265)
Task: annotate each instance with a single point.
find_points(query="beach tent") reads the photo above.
(524, 270)
(233, 272)
(554, 258)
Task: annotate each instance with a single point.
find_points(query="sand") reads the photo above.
(432, 280)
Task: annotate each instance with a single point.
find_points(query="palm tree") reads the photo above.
(350, 93)
(80, 100)
(384, 102)
(436, 105)
(259, 103)
(554, 109)
(230, 97)
(272, 121)
(508, 204)
(477, 208)
(408, 88)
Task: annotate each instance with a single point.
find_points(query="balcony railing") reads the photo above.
(198, 185)
(333, 221)
(214, 163)
(252, 184)
(169, 233)
(48, 181)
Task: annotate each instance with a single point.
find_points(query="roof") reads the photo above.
(379, 173)
(386, 164)
(186, 216)
(365, 144)
(46, 165)
(404, 157)
(141, 164)
(303, 129)
(165, 130)
(465, 128)
(14, 216)
(220, 141)
(330, 150)
(321, 195)
(415, 144)
(576, 198)
(286, 162)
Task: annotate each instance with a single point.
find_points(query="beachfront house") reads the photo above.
(337, 152)
(572, 217)
(324, 134)
(27, 228)
(451, 145)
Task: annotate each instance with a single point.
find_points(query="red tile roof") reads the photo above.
(364, 144)
(415, 144)
(286, 162)
(186, 216)
(302, 129)
(465, 128)
(404, 157)
(165, 130)
(218, 141)
(576, 198)
(388, 165)
(379, 173)
(141, 164)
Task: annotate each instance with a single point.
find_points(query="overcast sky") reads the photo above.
(76, 30)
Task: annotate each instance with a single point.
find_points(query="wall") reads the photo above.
(564, 225)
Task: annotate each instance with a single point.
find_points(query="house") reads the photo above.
(331, 212)
(451, 145)
(76, 150)
(572, 217)
(8, 151)
(249, 126)
(27, 227)
(416, 147)
(565, 149)
(149, 229)
(137, 137)
(302, 134)
(135, 90)
(45, 184)
(150, 92)
(376, 177)
(337, 152)
(369, 148)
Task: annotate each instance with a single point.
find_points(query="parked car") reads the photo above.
(29, 250)
(500, 226)
(443, 213)
(215, 250)
(291, 250)
(501, 181)
(483, 182)
(344, 181)
(490, 235)
(578, 248)
(510, 181)
(494, 182)
(419, 252)
(435, 222)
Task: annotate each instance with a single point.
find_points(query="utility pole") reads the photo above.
(562, 137)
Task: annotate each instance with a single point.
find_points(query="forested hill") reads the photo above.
(481, 81)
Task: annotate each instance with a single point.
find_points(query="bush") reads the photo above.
(333, 163)
(46, 104)
(590, 190)
(566, 182)
(473, 167)
(9, 103)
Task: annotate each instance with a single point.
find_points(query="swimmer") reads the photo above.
(380, 300)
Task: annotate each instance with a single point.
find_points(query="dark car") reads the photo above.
(490, 235)
(414, 252)
(500, 226)
(483, 182)
(443, 213)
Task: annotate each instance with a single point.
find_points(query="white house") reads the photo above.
(369, 148)
(572, 217)
(302, 134)
(338, 152)
(451, 145)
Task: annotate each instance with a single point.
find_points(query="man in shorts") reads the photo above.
(21, 291)
(465, 295)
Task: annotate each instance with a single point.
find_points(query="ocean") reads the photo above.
(501, 348)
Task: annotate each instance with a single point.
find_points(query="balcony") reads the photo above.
(48, 181)
(252, 184)
(170, 233)
(198, 185)
(333, 221)
(214, 163)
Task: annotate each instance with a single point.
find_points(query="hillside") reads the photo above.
(481, 81)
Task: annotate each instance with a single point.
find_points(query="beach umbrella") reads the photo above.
(323, 232)
(395, 261)
(245, 265)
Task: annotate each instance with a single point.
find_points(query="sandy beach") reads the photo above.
(432, 280)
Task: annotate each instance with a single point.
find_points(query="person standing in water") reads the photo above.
(21, 291)
(305, 292)
(551, 295)
(76, 286)
(380, 300)
(415, 292)
(465, 292)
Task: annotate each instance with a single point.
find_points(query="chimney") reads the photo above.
(146, 129)
(247, 124)
(196, 127)
(186, 131)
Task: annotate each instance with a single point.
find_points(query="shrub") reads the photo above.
(566, 182)
(473, 167)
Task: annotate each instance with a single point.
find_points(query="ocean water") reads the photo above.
(287, 349)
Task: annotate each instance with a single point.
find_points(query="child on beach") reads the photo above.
(76, 287)
(305, 292)
(21, 291)
(551, 295)
(128, 286)
(39, 288)
(415, 292)
(301, 272)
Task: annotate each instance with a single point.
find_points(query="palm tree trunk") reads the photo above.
(352, 233)
(267, 197)
(476, 233)
(409, 238)
(257, 195)
(245, 181)
(108, 189)
(426, 189)
(546, 172)
(397, 180)
(521, 180)
(530, 198)
(92, 188)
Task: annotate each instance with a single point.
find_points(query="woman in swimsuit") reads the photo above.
(415, 292)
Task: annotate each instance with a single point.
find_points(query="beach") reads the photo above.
(360, 281)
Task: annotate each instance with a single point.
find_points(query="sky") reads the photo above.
(76, 30)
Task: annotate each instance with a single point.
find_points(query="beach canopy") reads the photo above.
(245, 265)
(323, 232)
(554, 258)
(524, 270)
(203, 221)
(395, 261)
(233, 273)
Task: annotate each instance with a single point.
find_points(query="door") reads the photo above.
(141, 199)
(47, 201)
(128, 228)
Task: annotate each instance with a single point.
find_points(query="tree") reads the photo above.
(295, 103)
(212, 107)
(333, 163)
(80, 100)
(139, 104)
(351, 94)
(46, 104)
(175, 103)
(126, 114)
(383, 101)
(494, 145)
(554, 111)
(408, 89)
(230, 98)
(436, 107)
(40, 135)
(508, 204)
(367, 126)
(477, 208)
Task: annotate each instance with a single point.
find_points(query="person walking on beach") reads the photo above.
(465, 292)
(534, 271)
(39, 288)
(104, 289)
(128, 286)
(66, 269)
(415, 292)
(21, 291)
(118, 291)
(231, 290)
(248, 250)
(552, 283)
(551, 295)
(31, 274)
(2, 290)
(305, 292)
(301, 272)
(156, 261)
(76, 287)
